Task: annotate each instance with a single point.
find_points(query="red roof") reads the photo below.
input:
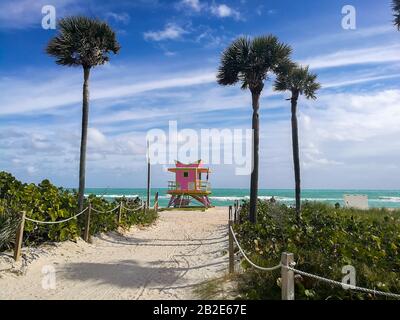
(196, 164)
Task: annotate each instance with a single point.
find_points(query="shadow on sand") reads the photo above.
(130, 274)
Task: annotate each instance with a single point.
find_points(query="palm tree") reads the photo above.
(249, 61)
(84, 42)
(299, 81)
(396, 13)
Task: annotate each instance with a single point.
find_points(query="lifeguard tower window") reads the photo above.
(186, 174)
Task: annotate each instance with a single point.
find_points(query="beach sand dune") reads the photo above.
(163, 261)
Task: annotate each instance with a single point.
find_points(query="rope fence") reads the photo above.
(338, 283)
(59, 221)
(88, 210)
(287, 268)
(108, 211)
(247, 258)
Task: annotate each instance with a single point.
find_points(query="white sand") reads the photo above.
(163, 261)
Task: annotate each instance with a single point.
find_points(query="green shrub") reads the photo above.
(46, 202)
(326, 239)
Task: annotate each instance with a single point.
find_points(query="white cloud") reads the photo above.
(171, 32)
(348, 82)
(224, 11)
(356, 116)
(345, 38)
(52, 92)
(352, 130)
(31, 170)
(187, 80)
(118, 17)
(347, 140)
(96, 138)
(39, 142)
(382, 54)
(312, 157)
(194, 5)
(218, 10)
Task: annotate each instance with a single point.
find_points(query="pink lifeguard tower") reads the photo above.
(189, 185)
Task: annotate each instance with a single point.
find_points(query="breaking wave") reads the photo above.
(389, 199)
(115, 195)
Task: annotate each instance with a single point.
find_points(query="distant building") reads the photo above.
(356, 201)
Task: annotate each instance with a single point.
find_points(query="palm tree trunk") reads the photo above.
(256, 141)
(296, 157)
(85, 121)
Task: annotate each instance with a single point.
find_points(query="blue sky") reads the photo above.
(166, 71)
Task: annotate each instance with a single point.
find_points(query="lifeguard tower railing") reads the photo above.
(172, 185)
(199, 186)
(203, 185)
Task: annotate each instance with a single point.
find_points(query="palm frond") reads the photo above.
(396, 13)
(311, 86)
(233, 61)
(298, 79)
(82, 41)
(250, 61)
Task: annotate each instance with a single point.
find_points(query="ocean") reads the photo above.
(226, 197)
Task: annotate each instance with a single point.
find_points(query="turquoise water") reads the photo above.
(226, 197)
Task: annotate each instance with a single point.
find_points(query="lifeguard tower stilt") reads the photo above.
(189, 185)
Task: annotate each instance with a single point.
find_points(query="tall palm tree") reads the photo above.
(249, 61)
(299, 81)
(83, 42)
(396, 13)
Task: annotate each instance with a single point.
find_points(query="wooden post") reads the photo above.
(156, 202)
(87, 224)
(287, 277)
(230, 243)
(148, 176)
(120, 213)
(19, 237)
(234, 211)
(237, 212)
(144, 207)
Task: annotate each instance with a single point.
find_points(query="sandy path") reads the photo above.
(164, 261)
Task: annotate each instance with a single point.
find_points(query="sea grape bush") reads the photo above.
(325, 240)
(46, 202)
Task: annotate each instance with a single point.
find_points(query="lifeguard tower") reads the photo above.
(189, 185)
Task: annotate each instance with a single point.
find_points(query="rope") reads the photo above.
(56, 222)
(310, 275)
(337, 283)
(109, 211)
(248, 260)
